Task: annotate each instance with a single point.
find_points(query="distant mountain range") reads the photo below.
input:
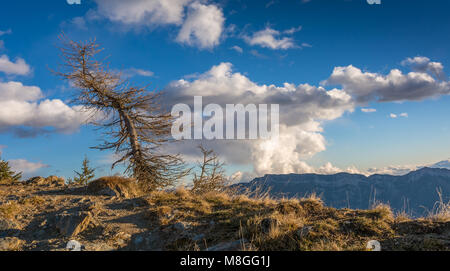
(442, 164)
(416, 192)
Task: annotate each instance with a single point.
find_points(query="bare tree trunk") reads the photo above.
(134, 141)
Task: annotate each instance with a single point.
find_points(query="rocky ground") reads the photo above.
(111, 214)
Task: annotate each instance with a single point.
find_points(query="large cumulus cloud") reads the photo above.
(302, 108)
(201, 23)
(425, 82)
(23, 111)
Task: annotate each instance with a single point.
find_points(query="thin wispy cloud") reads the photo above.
(368, 110)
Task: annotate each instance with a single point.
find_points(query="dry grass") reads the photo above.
(441, 210)
(7, 181)
(267, 224)
(9, 210)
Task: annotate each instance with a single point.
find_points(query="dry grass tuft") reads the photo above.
(441, 210)
(268, 224)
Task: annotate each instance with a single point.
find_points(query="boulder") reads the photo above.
(70, 225)
(114, 187)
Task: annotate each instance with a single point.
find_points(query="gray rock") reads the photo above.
(181, 226)
(150, 241)
(304, 231)
(107, 191)
(268, 224)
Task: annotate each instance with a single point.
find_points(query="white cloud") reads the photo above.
(5, 32)
(203, 26)
(16, 91)
(19, 67)
(302, 107)
(402, 115)
(21, 111)
(270, 38)
(22, 165)
(237, 49)
(425, 65)
(293, 30)
(396, 86)
(368, 110)
(306, 45)
(442, 164)
(392, 170)
(79, 22)
(143, 12)
(131, 72)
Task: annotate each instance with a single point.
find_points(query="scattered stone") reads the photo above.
(237, 245)
(71, 225)
(181, 226)
(73, 245)
(7, 224)
(304, 231)
(373, 245)
(268, 224)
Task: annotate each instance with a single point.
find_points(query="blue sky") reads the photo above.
(262, 43)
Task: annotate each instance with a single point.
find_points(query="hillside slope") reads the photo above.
(45, 214)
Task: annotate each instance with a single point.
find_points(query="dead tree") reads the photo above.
(212, 175)
(134, 123)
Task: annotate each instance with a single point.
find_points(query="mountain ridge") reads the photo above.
(415, 193)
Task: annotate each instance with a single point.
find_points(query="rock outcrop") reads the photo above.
(52, 181)
(70, 225)
(114, 187)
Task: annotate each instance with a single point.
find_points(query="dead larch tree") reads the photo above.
(211, 176)
(135, 125)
